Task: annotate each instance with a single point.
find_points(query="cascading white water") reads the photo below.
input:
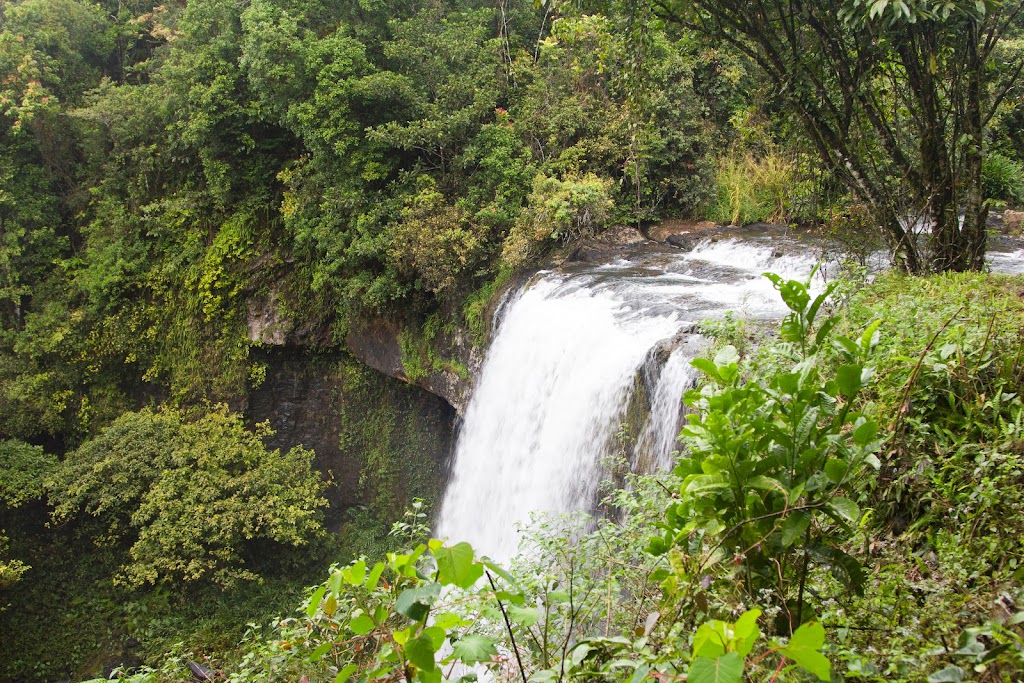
(659, 434)
(559, 375)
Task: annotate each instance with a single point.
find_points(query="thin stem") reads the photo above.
(508, 626)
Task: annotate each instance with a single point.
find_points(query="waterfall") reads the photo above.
(563, 366)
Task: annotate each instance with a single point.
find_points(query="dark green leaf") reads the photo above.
(794, 527)
(845, 508)
(420, 651)
(415, 602)
(346, 673)
(848, 380)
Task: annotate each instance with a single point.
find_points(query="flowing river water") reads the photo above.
(567, 358)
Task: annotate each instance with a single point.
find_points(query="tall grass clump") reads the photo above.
(755, 188)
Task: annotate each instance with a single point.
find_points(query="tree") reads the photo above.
(893, 94)
(190, 498)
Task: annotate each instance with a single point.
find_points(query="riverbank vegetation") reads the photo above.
(174, 176)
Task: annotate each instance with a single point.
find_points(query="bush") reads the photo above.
(189, 498)
(753, 189)
(559, 210)
(23, 468)
(1002, 178)
(434, 242)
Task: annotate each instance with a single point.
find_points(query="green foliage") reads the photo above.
(479, 306)
(775, 466)
(563, 210)
(393, 615)
(23, 468)
(755, 190)
(433, 242)
(1003, 178)
(189, 498)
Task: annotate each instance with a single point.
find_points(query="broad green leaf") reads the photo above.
(869, 340)
(640, 673)
(580, 653)
(355, 574)
(374, 578)
(864, 431)
(346, 673)
(415, 602)
(706, 366)
(474, 648)
(524, 616)
(727, 356)
(361, 625)
(449, 620)
(951, 674)
(429, 675)
(455, 566)
(436, 635)
(318, 654)
(725, 669)
(334, 583)
(745, 632)
(845, 508)
(824, 331)
(848, 380)
(760, 481)
(314, 601)
(420, 651)
(794, 527)
(835, 469)
(710, 639)
(804, 648)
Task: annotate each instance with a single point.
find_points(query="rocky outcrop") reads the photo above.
(444, 364)
(268, 323)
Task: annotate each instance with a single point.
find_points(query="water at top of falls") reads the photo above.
(559, 375)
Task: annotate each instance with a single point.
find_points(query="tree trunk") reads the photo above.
(974, 233)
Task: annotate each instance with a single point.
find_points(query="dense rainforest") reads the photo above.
(207, 205)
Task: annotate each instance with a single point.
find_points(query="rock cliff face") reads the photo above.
(379, 442)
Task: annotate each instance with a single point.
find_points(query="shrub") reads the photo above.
(188, 498)
(770, 483)
(1002, 178)
(23, 468)
(563, 210)
(753, 189)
